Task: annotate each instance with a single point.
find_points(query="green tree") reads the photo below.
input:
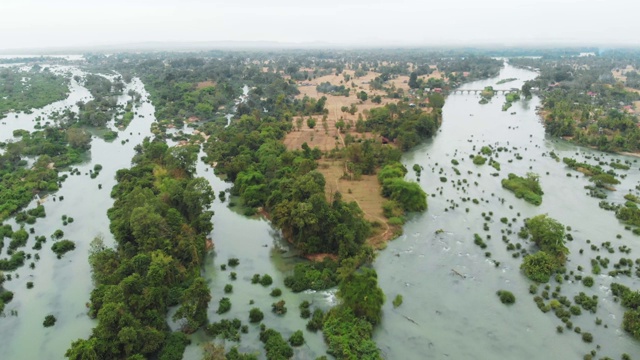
(360, 292)
(548, 234)
(195, 303)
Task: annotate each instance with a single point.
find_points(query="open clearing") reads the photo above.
(366, 191)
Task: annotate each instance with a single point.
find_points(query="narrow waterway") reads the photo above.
(460, 317)
(62, 286)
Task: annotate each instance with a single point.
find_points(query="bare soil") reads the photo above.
(365, 191)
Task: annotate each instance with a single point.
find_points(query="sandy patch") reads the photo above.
(204, 84)
(365, 192)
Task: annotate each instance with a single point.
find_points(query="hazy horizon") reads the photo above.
(75, 24)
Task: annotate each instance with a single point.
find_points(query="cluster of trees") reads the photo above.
(548, 234)
(159, 219)
(32, 89)
(631, 300)
(98, 111)
(403, 194)
(525, 187)
(584, 102)
(403, 124)
(55, 146)
(328, 88)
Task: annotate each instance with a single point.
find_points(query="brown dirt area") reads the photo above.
(204, 84)
(366, 191)
(619, 74)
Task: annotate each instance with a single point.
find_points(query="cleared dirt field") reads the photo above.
(205, 84)
(365, 192)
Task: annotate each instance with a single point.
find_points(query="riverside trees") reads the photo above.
(159, 219)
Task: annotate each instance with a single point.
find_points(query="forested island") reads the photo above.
(338, 152)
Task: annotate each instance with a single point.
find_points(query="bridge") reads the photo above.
(477, 91)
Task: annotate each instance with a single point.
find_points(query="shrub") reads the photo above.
(228, 288)
(279, 307)
(506, 297)
(255, 315)
(587, 337)
(63, 246)
(316, 321)
(479, 160)
(296, 339)
(266, 280)
(224, 305)
(276, 292)
(524, 187)
(233, 262)
(587, 281)
(49, 321)
(397, 301)
(539, 266)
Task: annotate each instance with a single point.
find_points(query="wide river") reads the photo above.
(445, 314)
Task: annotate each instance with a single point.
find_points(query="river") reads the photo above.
(454, 317)
(462, 318)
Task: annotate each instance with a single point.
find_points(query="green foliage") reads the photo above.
(314, 276)
(525, 187)
(276, 292)
(279, 307)
(49, 321)
(62, 247)
(18, 239)
(26, 90)
(403, 124)
(228, 289)
(266, 280)
(296, 339)
(539, 266)
(15, 261)
(506, 297)
(349, 336)
(227, 329)
(255, 315)
(408, 194)
(548, 234)
(275, 346)
(359, 291)
(479, 160)
(174, 346)
(159, 220)
(224, 305)
(317, 321)
(397, 301)
(587, 281)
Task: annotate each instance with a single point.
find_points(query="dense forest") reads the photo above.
(159, 219)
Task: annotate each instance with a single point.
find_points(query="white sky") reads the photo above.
(61, 23)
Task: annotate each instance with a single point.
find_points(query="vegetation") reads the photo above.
(31, 89)
(525, 187)
(506, 297)
(397, 301)
(584, 103)
(548, 234)
(630, 300)
(49, 321)
(159, 220)
(62, 247)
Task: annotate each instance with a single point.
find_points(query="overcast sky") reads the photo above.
(63, 23)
